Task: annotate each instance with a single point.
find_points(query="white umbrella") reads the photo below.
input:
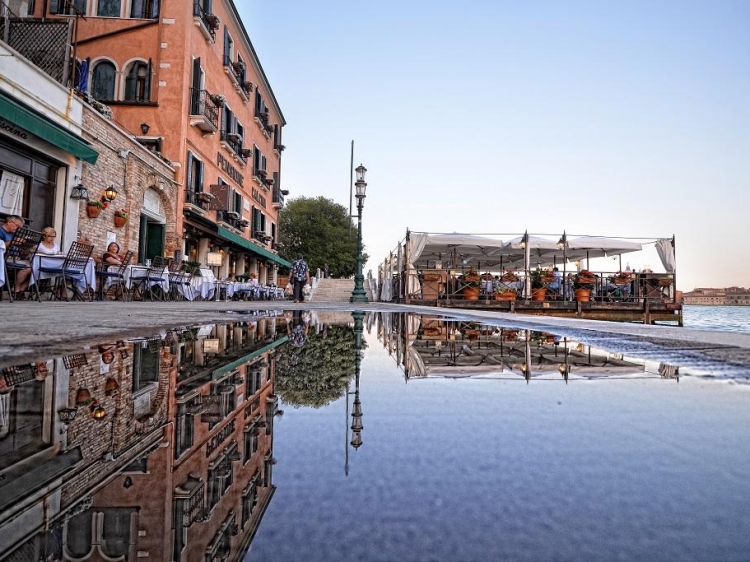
(600, 246)
(467, 249)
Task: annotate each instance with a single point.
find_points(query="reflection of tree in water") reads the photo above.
(317, 373)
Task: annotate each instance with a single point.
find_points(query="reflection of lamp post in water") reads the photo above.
(356, 426)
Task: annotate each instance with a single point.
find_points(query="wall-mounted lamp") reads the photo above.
(562, 242)
(144, 128)
(96, 411)
(67, 415)
(128, 482)
(79, 192)
(110, 194)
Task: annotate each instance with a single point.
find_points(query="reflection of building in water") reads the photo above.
(91, 467)
(432, 346)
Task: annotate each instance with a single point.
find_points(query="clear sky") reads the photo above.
(602, 118)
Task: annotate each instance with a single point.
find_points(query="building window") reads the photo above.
(68, 7)
(144, 9)
(109, 8)
(145, 366)
(138, 82)
(103, 81)
(195, 174)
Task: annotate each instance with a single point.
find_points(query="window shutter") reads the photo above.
(227, 52)
(199, 187)
(155, 9)
(149, 70)
(189, 178)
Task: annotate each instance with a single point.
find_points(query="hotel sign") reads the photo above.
(259, 198)
(228, 169)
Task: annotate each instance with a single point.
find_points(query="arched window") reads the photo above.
(138, 82)
(109, 8)
(103, 81)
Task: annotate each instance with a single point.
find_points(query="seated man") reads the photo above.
(9, 227)
(556, 285)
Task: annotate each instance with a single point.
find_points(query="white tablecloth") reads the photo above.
(135, 270)
(40, 260)
(2, 263)
(203, 285)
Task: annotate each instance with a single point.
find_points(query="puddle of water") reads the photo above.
(380, 437)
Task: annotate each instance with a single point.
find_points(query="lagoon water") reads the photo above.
(730, 318)
(335, 436)
(479, 464)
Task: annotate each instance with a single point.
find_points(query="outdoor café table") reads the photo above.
(138, 270)
(2, 263)
(203, 285)
(88, 279)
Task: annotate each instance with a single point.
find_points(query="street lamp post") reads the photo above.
(359, 294)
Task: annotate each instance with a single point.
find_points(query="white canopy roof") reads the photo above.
(458, 249)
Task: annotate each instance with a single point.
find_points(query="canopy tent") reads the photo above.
(598, 247)
(426, 251)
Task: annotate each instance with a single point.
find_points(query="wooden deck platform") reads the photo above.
(646, 311)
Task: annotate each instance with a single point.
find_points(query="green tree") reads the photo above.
(321, 230)
(316, 374)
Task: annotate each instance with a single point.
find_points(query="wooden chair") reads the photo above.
(19, 254)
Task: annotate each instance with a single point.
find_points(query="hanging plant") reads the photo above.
(94, 208)
(121, 217)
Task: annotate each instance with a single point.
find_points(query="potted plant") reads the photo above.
(622, 278)
(94, 208)
(583, 283)
(218, 99)
(470, 285)
(509, 277)
(121, 217)
(204, 197)
(505, 294)
(538, 290)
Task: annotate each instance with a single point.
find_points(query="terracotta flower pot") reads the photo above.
(506, 296)
(471, 293)
(120, 221)
(93, 211)
(538, 294)
(583, 295)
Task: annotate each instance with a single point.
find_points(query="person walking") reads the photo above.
(300, 275)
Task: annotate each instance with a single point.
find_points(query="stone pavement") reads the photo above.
(35, 330)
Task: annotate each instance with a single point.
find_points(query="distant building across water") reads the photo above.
(730, 296)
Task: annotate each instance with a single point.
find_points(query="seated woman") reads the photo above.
(48, 247)
(112, 255)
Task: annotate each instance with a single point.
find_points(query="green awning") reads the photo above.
(34, 122)
(246, 244)
(249, 357)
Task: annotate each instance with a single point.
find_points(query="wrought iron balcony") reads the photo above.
(278, 197)
(204, 113)
(207, 22)
(233, 141)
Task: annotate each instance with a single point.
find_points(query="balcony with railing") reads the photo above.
(204, 112)
(278, 197)
(232, 142)
(206, 22)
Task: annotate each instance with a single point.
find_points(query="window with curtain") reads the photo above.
(109, 8)
(138, 82)
(103, 81)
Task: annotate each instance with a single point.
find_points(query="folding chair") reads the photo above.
(19, 254)
(153, 277)
(73, 268)
(115, 279)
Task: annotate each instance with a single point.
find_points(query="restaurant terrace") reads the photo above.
(542, 274)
